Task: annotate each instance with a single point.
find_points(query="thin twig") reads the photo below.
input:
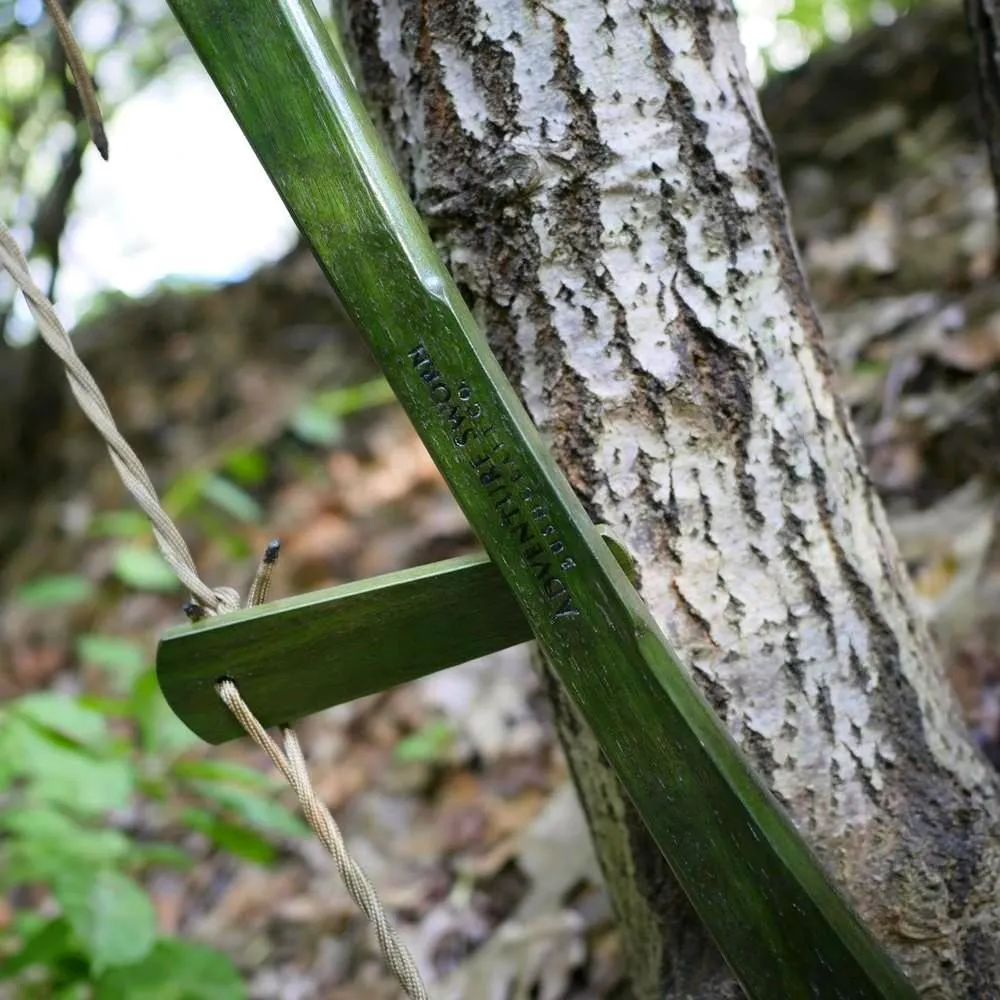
(81, 75)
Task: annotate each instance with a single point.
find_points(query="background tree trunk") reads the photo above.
(984, 26)
(603, 183)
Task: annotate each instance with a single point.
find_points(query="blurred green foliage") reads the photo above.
(803, 26)
(81, 774)
(73, 771)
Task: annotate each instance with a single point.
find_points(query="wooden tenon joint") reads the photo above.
(301, 655)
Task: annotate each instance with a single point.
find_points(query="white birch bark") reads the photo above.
(601, 180)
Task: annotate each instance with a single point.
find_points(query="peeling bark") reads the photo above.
(601, 180)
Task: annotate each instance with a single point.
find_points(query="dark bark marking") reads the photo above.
(824, 711)
(726, 229)
(793, 663)
(715, 693)
(654, 509)
(697, 618)
(979, 954)
(723, 383)
(857, 669)
(676, 238)
(782, 461)
(706, 513)
(758, 749)
(793, 536)
(864, 774)
(592, 153)
(735, 612)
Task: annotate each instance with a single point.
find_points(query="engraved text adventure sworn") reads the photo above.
(516, 502)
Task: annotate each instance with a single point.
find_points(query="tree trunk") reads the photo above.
(602, 182)
(983, 18)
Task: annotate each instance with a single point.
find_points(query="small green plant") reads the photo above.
(320, 419)
(431, 744)
(71, 768)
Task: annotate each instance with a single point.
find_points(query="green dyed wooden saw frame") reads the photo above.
(763, 897)
(303, 654)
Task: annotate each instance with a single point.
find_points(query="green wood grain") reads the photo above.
(303, 654)
(761, 894)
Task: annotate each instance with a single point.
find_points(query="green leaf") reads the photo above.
(131, 524)
(120, 656)
(82, 783)
(355, 398)
(144, 569)
(314, 425)
(162, 732)
(163, 855)
(111, 915)
(54, 591)
(247, 465)
(64, 774)
(236, 839)
(431, 743)
(44, 840)
(174, 970)
(51, 941)
(259, 812)
(184, 492)
(225, 771)
(233, 499)
(76, 990)
(63, 714)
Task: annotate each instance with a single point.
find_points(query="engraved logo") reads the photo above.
(518, 505)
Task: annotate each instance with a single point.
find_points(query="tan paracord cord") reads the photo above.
(216, 601)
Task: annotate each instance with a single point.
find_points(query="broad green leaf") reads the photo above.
(232, 499)
(65, 775)
(120, 656)
(111, 915)
(54, 591)
(77, 990)
(174, 970)
(44, 839)
(144, 569)
(63, 714)
(83, 783)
